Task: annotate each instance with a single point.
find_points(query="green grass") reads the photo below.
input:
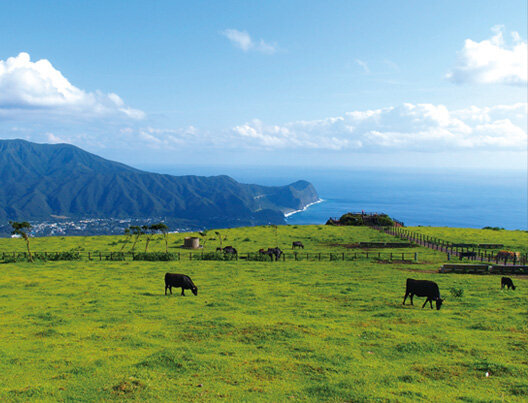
(246, 239)
(257, 331)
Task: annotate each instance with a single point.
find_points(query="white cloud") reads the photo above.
(38, 88)
(242, 40)
(410, 127)
(492, 61)
(363, 65)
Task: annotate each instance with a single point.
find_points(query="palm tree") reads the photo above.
(220, 238)
(137, 231)
(203, 234)
(165, 231)
(128, 235)
(160, 227)
(22, 229)
(149, 231)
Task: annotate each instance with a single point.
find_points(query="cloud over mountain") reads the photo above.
(492, 61)
(38, 88)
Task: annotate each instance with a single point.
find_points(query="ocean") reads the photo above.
(452, 198)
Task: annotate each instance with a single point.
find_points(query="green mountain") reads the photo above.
(40, 181)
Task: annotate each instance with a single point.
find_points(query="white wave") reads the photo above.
(304, 209)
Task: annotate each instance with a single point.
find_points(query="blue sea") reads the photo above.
(452, 198)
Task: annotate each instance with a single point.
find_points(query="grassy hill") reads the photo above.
(257, 331)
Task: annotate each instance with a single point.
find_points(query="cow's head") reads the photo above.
(195, 291)
(439, 302)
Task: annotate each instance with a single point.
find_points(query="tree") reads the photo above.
(137, 231)
(162, 227)
(128, 235)
(22, 229)
(149, 231)
(220, 238)
(203, 234)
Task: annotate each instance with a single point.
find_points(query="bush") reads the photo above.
(156, 256)
(214, 256)
(456, 292)
(116, 256)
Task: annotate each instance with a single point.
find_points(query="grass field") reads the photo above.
(257, 331)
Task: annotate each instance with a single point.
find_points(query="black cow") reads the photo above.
(469, 255)
(230, 249)
(423, 288)
(297, 244)
(507, 282)
(272, 252)
(179, 280)
(219, 249)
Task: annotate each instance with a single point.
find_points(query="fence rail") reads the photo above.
(479, 252)
(12, 257)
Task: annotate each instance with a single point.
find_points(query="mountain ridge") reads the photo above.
(45, 180)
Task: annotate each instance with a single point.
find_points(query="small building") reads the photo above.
(191, 243)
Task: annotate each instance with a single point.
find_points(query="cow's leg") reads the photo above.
(170, 289)
(183, 292)
(426, 301)
(404, 298)
(412, 295)
(165, 289)
(431, 303)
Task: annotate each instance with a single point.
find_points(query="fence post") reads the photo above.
(178, 256)
(343, 256)
(319, 256)
(415, 256)
(403, 256)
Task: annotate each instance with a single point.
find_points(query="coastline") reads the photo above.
(286, 215)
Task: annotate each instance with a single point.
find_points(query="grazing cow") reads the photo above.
(507, 255)
(423, 288)
(469, 255)
(275, 252)
(219, 249)
(230, 249)
(297, 244)
(271, 252)
(507, 282)
(179, 280)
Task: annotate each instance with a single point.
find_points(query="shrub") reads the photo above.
(214, 256)
(156, 256)
(456, 292)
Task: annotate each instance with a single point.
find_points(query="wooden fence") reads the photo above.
(11, 257)
(452, 249)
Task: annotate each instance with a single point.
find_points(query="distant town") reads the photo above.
(87, 226)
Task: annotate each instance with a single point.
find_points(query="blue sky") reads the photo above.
(338, 83)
